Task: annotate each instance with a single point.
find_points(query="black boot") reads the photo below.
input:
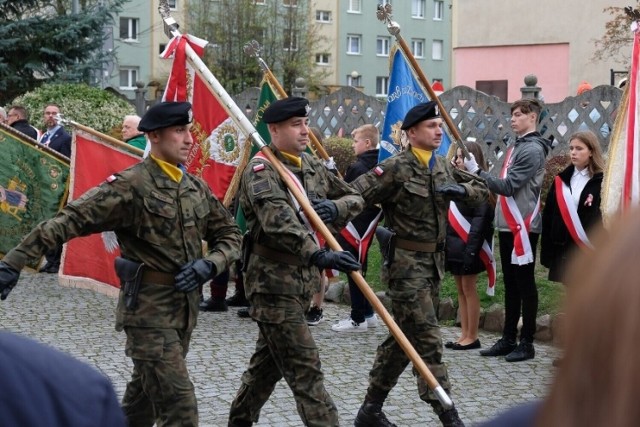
(237, 300)
(450, 418)
(501, 348)
(371, 415)
(524, 351)
(213, 304)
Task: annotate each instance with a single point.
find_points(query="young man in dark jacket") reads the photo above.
(358, 235)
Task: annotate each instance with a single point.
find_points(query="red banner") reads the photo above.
(88, 261)
(217, 143)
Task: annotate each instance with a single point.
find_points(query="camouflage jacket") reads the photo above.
(406, 190)
(158, 222)
(272, 221)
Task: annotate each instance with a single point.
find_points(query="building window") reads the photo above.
(128, 77)
(323, 58)
(384, 2)
(436, 50)
(382, 86)
(438, 10)
(291, 41)
(353, 44)
(382, 46)
(417, 48)
(353, 80)
(161, 48)
(418, 8)
(323, 16)
(173, 4)
(129, 28)
(355, 6)
(290, 3)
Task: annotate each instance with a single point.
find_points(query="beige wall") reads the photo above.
(329, 32)
(482, 23)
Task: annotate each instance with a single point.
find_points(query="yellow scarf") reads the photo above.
(172, 171)
(423, 156)
(296, 160)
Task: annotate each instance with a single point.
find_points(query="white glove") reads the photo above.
(470, 164)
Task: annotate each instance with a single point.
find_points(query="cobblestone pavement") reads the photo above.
(81, 322)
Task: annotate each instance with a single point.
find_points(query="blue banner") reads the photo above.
(404, 93)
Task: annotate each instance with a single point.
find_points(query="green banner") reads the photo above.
(33, 186)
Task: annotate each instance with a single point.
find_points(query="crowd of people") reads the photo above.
(431, 215)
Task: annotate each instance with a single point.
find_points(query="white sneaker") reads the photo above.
(348, 325)
(373, 321)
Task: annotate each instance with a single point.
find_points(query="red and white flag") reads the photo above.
(87, 262)
(621, 187)
(217, 142)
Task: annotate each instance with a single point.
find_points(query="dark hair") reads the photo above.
(20, 111)
(528, 105)
(596, 161)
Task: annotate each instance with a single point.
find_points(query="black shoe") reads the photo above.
(314, 316)
(450, 344)
(213, 304)
(471, 346)
(450, 418)
(501, 348)
(237, 300)
(524, 351)
(243, 312)
(371, 415)
(50, 268)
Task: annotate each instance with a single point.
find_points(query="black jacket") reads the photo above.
(363, 164)
(467, 254)
(24, 127)
(556, 243)
(61, 142)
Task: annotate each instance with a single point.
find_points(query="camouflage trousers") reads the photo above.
(414, 312)
(160, 390)
(285, 348)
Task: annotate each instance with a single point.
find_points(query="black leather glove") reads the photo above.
(455, 191)
(194, 274)
(8, 279)
(343, 260)
(326, 210)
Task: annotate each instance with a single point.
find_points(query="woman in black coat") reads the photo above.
(582, 181)
(463, 259)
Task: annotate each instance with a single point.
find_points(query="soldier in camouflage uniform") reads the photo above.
(283, 262)
(414, 188)
(160, 215)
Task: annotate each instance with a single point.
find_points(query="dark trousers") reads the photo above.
(360, 307)
(520, 290)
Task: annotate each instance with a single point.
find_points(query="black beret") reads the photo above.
(165, 114)
(284, 109)
(419, 113)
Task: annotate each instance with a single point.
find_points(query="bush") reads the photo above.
(89, 106)
(341, 150)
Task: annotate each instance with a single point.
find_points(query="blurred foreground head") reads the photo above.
(597, 382)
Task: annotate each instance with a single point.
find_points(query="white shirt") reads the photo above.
(578, 181)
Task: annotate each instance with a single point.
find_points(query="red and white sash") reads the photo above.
(462, 228)
(357, 241)
(522, 253)
(305, 221)
(569, 214)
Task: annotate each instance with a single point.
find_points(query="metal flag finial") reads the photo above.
(384, 14)
(252, 48)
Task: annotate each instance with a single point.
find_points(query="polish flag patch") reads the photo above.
(378, 170)
(258, 167)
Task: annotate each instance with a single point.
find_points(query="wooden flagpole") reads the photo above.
(245, 125)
